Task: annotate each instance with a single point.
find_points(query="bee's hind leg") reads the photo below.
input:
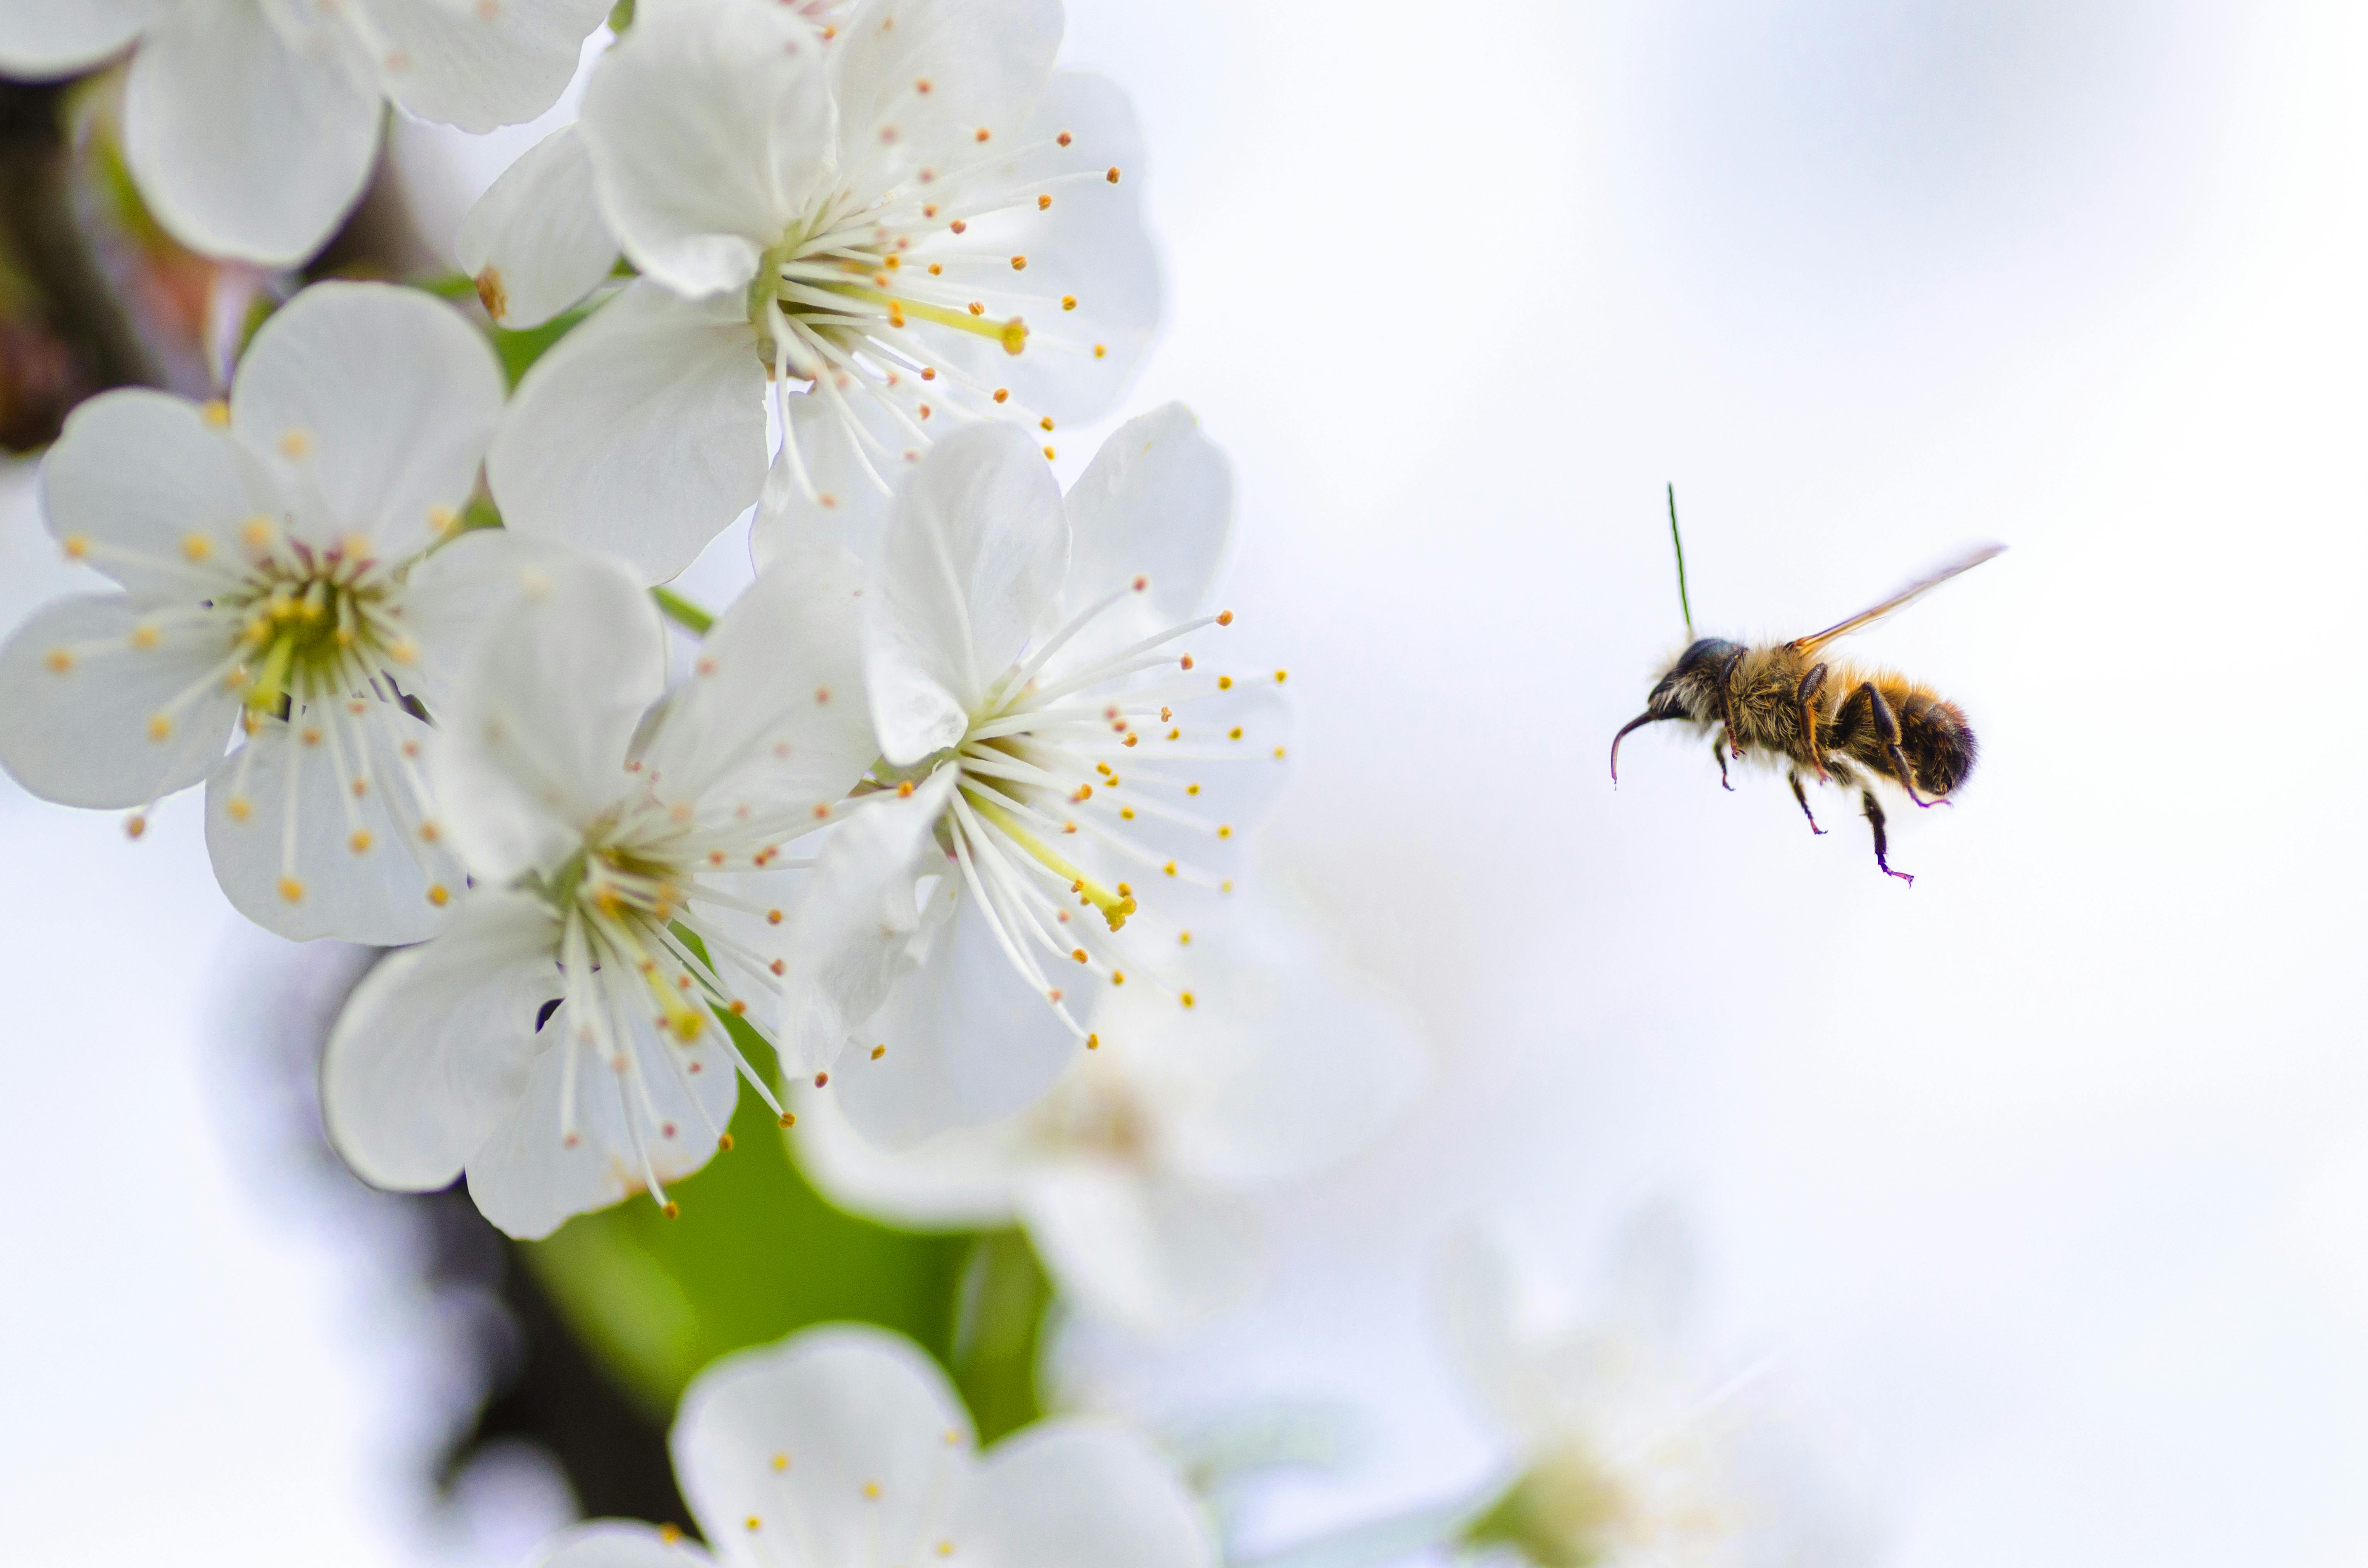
(1718, 755)
(1874, 821)
(1886, 730)
(1802, 796)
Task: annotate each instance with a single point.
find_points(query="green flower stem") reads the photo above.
(999, 1317)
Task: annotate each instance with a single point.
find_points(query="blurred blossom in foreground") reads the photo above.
(914, 215)
(1623, 1454)
(848, 1446)
(270, 550)
(252, 126)
(624, 856)
(1134, 1177)
(1047, 739)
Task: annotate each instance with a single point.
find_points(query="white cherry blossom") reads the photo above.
(1137, 1175)
(1623, 1454)
(251, 126)
(845, 1446)
(1071, 778)
(269, 551)
(905, 222)
(629, 861)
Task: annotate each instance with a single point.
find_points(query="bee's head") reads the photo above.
(1689, 688)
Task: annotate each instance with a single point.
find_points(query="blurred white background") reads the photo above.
(2042, 1181)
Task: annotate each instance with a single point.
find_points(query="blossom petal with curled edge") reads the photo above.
(479, 65)
(535, 242)
(43, 39)
(641, 434)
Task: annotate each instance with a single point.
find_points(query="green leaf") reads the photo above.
(519, 350)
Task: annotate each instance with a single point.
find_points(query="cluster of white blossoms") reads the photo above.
(934, 840)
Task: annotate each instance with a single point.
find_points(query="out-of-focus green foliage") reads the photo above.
(519, 350)
(756, 1253)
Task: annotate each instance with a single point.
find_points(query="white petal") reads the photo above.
(242, 146)
(464, 589)
(848, 503)
(533, 743)
(142, 474)
(535, 242)
(618, 1543)
(773, 721)
(1149, 1255)
(1472, 1297)
(41, 39)
(1090, 245)
(984, 63)
(642, 434)
(1285, 1065)
(482, 63)
(382, 398)
(354, 862)
(835, 1442)
(1156, 502)
(90, 717)
(851, 936)
(433, 1048)
(972, 570)
(711, 131)
(1071, 1494)
(960, 1180)
(969, 1041)
(528, 1180)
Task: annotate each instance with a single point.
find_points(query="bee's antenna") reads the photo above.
(1680, 543)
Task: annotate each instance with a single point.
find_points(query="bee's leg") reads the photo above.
(1802, 796)
(1874, 821)
(1886, 730)
(1718, 755)
(1806, 699)
(1727, 699)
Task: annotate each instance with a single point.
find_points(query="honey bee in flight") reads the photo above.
(1842, 724)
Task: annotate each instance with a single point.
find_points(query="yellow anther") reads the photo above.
(1112, 175)
(291, 889)
(1063, 138)
(196, 547)
(134, 825)
(58, 661)
(1045, 423)
(256, 532)
(1278, 754)
(780, 1463)
(1185, 997)
(214, 412)
(1042, 202)
(1002, 394)
(671, 1209)
(1050, 454)
(871, 1490)
(1126, 813)
(978, 307)
(296, 443)
(1191, 788)
(1225, 683)
(878, 1051)
(1117, 977)
(1169, 867)
(77, 546)
(1183, 939)
(1068, 301)
(145, 635)
(1078, 954)
(1018, 264)
(1281, 675)
(443, 519)
(1234, 734)
(438, 894)
(1101, 351)
(1093, 1042)
(1015, 337)
(239, 807)
(1225, 831)
(1224, 617)
(668, 1534)
(360, 841)
(160, 727)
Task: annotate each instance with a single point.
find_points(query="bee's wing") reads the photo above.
(1912, 592)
